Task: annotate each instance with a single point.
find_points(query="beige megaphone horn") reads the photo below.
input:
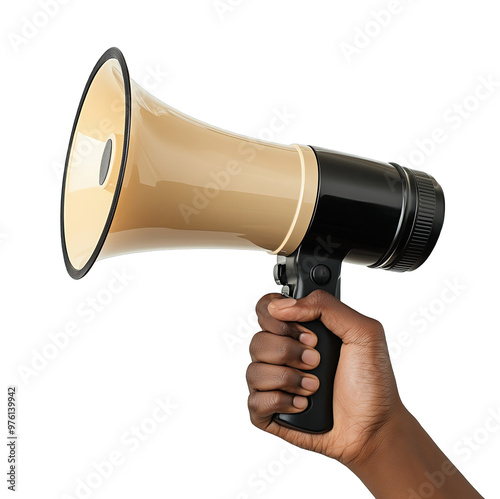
(142, 176)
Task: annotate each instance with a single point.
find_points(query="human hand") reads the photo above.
(365, 398)
(373, 433)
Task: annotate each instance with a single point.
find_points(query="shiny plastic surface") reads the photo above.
(191, 185)
(185, 184)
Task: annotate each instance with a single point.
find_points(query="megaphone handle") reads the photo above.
(300, 275)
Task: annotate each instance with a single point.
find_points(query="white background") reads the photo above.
(166, 334)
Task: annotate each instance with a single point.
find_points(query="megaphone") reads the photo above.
(141, 176)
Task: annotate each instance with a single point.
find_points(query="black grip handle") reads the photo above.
(301, 273)
(318, 417)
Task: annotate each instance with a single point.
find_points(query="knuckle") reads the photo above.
(253, 403)
(261, 307)
(250, 374)
(375, 328)
(319, 296)
(369, 331)
(275, 400)
(284, 351)
(286, 329)
(255, 343)
(283, 378)
(319, 299)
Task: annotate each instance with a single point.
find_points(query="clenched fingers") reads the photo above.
(282, 350)
(266, 377)
(269, 323)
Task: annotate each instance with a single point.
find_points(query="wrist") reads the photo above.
(390, 466)
(389, 438)
(402, 461)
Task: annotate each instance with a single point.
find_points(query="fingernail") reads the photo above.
(310, 357)
(311, 384)
(285, 303)
(307, 339)
(299, 402)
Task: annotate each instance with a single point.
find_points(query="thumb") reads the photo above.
(348, 324)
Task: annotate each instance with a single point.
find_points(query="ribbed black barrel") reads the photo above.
(427, 222)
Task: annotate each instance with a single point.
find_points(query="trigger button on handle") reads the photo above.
(321, 275)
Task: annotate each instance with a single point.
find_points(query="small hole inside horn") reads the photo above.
(105, 161)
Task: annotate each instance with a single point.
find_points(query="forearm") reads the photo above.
(405, 463)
